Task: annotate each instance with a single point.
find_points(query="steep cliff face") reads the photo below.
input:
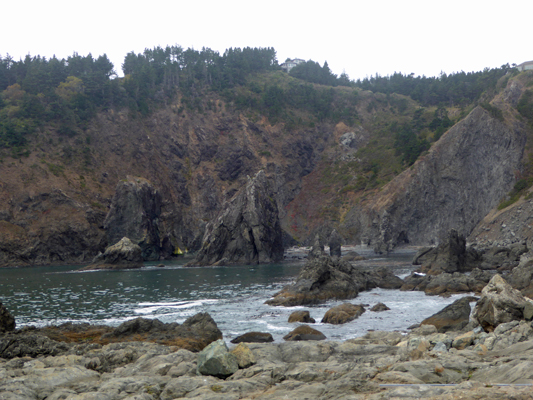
(248, 231)
(54, 203)
(464, 175)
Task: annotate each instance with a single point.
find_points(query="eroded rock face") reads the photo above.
(7, 322)
(248, 231)
(134, 213)
(499, 303)
(122, 255)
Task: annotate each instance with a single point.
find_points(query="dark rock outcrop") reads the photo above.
(304, 332)
(122, 255)
(248, 231)
(254, 337)
(216, 360)
(453, 317)
(343, 313)
(324, 278)
(135, 211)
(335, 243)
(445, 284)
(7, 321)
(301, 316)
(29, 344)
(195, 333)
(449, 256)
(499, 303)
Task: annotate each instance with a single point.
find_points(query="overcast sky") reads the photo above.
(361, 38)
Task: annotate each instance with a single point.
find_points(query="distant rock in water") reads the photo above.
(254, 337)
(380, 307)
(134, 213)
(123, 255)
(304, 332)
(343, 313)
(248, 230)
(324, 278)
(7, 322)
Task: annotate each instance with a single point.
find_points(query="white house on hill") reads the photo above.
(290, 64)
(528, 65)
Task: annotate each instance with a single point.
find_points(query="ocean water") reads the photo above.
(233, 296)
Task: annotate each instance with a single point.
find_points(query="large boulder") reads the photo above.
(453, 317)
(343, 313)
(499, 303)
(216, 360)
(134, 213)
(7, 322)
(122, 255)
(248, 230)
(304, 332)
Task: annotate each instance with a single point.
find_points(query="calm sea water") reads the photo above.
(233, 296)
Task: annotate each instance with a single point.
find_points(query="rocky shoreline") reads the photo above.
(379, 365)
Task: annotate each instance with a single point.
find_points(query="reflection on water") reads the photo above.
(233, 296)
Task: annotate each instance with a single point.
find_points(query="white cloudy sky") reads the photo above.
(360, 37)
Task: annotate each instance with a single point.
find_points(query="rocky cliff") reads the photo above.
(70, 196)
(463, 176)
(247, 231)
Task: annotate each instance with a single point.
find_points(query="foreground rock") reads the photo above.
(469, 363)
(449, 256)
(248, 231)
(194, 334)
(324, 278)
(122, 255)
(499, 303)
(7, 322)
